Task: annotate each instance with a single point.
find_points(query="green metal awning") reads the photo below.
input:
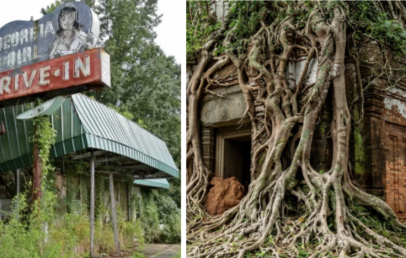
(154, 183)
(82, 123)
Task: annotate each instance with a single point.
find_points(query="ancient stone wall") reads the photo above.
(383, 127)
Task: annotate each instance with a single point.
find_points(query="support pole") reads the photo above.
(92, 186)
(37, 174)
(128, 202)
(114, 214)
(18, 181)
(17, 192)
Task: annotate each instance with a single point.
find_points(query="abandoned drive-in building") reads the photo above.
(110, 147)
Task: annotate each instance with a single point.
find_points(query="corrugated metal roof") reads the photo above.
(109, 130)
(156, 183)
(83, 123)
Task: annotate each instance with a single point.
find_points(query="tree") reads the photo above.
(281, 31)
(146, 82)
(51, 8)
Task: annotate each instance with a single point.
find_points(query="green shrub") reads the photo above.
(158, 208)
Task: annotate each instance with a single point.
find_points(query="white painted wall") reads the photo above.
(396, 104)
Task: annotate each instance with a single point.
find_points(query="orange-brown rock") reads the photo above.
(225, 194)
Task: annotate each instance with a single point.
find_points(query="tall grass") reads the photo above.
(38, 231)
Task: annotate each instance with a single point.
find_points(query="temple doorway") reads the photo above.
(234, 156)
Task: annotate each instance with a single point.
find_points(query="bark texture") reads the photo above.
(263, 221)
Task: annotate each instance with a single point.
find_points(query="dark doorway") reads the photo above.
(237, 159)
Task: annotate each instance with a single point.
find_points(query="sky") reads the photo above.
(168, 32)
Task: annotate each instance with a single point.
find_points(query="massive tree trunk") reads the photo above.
(284, 31)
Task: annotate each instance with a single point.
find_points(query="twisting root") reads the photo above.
(265, 221)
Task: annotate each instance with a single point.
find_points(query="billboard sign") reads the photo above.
(57, 54)
(71, 28)
(82, 71)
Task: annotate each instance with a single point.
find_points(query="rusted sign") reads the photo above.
(71, 28)
(56, 55)
(72, 73)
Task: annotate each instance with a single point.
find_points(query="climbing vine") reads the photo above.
(58, 227)
(292, 210)
(44, 137)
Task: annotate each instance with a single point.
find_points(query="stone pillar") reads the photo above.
(375, 156)
(208, 147)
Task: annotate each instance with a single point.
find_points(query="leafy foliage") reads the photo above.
(367, 20)
(145, 82)
(159, 209)
(44, 138)
(51, 8)
(49, 231)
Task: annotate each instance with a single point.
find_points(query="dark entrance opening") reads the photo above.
(237, 159)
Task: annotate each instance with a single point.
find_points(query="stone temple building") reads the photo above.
(381, 159)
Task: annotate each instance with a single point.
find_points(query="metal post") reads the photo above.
(114, 214)
(18, 192)
(128, 202)
(18, 181)
(92, 186)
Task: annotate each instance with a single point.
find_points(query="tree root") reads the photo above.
(322, 224)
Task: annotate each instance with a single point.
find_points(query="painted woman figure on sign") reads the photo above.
(70, 39)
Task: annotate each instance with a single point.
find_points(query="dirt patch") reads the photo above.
(225, 194)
